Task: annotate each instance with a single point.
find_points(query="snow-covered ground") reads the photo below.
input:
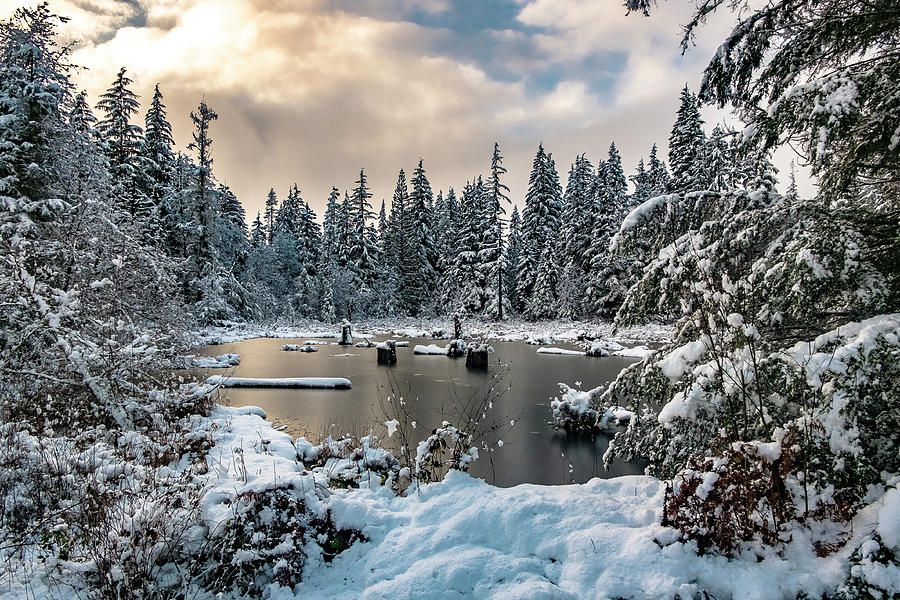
(540, 332)
(462, 538)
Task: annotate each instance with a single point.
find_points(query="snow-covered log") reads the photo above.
(306, 383)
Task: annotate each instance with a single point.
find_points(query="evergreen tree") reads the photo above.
(331, 228)
(513, 257)
(271, 210)
(122, 141)
(362, 250)
(257, 232)
(657, 175)
(492, 243)
(541, 221)
(420, 261)
(81, 118)
(205, 209)
(686, 146)
(156, 150)
(397, 243)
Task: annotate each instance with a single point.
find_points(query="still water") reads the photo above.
(434, 388)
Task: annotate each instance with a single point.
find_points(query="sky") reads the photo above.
(310, 91)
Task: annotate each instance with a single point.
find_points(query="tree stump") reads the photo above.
(387, 353)
(456, 349)
(346, 337)
(477, 358)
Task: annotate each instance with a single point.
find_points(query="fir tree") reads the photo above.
(420, 261)
(362, 249)
(271, 209)
(513, 257)
(122, 141)
(686, 146)
(492, 244)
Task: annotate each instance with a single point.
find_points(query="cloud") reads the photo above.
(310, 92)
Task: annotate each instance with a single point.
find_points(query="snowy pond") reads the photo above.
(533, 451)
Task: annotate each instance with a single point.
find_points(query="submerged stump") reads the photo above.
(387, 353)
(346, 337)
(456, 348)
(477, 358)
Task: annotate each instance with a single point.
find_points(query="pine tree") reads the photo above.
(513, 257)
(205, 209)
(331, 241)
(718, 162)
(492, 244)
(541, 221)
(122, 141)
(271, 209)
(362, 250)
(397, 243)
(657, 175)
(157, 148)
(257, 232)
(686, 146)
(81, 118)
(420, 261)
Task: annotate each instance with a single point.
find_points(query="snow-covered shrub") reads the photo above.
(739, 496)
(447, 448)
(262, 542)
(574, 409)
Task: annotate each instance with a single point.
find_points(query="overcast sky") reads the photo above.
(309, 91)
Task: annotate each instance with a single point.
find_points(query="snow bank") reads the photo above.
(222, 361)
(430, 350)
(338, 383)
(560, 351)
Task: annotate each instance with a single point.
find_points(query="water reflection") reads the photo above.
(435, 388)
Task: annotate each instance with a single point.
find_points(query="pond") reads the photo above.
(433, 389)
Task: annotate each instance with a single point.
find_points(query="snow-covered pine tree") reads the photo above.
(396, 243)
(612, 203)
(657, 175)
(82, 118)
(492, 243)
(641, 182)
(331, 228)
(382, 229)
(270, 211)
(579, 215)
(448, 246)
(362, 250)
(467, 272)
(257, 232)
(512, 257)
(686, 144)
(420, 260)
(157, 163)
(541, 221)
(719, 169)
(122, 141)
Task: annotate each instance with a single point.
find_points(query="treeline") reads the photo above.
(424, 254)
(436, 254)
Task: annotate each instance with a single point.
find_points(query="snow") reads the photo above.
(290, 348)
(560, 351)
(636, 352)
(430, 350)
(678, 362)
(222, 361)
(391, 427)
(282, 382)
(889, 520)
(543, 332)
(462, 538)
